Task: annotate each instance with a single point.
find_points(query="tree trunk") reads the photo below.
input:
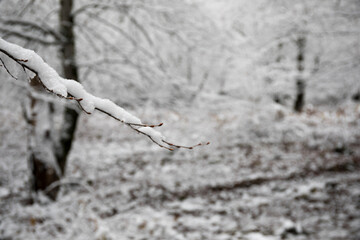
(300, 95)
(47, 153)
(70, 71)
(43, 176)
(300, 81)
(41, 159)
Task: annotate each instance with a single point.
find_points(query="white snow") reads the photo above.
(155, 135)
(4, 192)
(61, 86)
(259, 236)
(48, 75)
(115, 110)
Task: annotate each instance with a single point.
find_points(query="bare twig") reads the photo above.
(141, 29)
(8, 71)
(12, 32)
(43, 29)
(120, 7)
(103, 6)
(123, 33)
(187, 147)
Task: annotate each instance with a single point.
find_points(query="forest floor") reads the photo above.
(268, 174)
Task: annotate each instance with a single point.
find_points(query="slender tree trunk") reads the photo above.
(300, 95)
(300, 81)
(69, 67)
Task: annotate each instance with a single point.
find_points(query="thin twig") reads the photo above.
(8, 71)
(145, 134)
(187, 147)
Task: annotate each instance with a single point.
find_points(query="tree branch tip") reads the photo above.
(89, 113)
(156, 125)
(22, 60)
(202, 144)
(186, 147)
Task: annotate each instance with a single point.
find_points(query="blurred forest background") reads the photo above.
(274, 85)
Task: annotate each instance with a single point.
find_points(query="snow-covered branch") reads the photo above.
(70, 89)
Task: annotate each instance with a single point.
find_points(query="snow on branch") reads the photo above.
(70, 89)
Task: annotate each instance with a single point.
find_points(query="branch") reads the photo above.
(43, 29)
(29, 37)
(72, 90)
(122, 32)
(141, 29)
(100, 6)
(120, 7)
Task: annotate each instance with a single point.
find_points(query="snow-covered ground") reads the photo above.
(267, 174)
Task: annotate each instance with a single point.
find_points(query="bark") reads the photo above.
(70, 71)
(43, 176)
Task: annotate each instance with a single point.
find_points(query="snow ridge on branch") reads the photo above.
(72, 90)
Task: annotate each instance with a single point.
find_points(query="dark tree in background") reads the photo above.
(70, 71)
(300, 81)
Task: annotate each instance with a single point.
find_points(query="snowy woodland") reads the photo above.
(180, 119)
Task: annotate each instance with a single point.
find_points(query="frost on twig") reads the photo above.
(72, 90)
